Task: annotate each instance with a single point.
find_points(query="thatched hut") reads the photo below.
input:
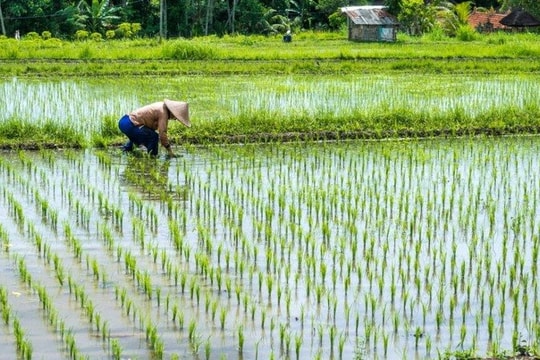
(370, 23)
(520, 19)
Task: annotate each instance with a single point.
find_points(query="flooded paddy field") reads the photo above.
(381, 250)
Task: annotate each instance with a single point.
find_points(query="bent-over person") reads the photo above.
(148, 125)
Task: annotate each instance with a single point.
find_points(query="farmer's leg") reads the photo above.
(126, 126)
(150, 139)
(128, 146)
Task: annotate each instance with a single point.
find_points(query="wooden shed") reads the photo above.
(370, 23)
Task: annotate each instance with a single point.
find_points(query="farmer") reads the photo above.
(140, 125)
(287, 37)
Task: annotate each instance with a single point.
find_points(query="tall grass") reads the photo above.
(306, 45)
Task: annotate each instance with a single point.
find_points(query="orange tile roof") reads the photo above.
(477, 19)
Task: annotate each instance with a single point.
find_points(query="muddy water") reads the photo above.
(376, 250)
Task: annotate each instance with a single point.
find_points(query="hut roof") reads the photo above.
(520, 18)
(478, 18)
(369, 15)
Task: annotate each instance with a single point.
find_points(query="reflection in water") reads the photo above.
(150, 177)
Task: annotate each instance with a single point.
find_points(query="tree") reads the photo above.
(453, 16)
(70, 20)
(394, 6)
(98, 15)
(250, 13)
(417, 17)
(328, 7)
(31, 16)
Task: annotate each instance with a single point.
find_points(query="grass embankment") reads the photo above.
(311, 55)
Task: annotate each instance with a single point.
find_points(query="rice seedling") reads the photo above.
(407, 273)
(240, 332)
(222, 318)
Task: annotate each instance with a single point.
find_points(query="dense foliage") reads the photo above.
(173, 18)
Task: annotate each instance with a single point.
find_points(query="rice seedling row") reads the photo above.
(389, 249)
(79, 112)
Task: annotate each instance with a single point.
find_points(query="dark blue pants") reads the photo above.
(138, 135)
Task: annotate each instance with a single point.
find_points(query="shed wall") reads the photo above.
(371, 32)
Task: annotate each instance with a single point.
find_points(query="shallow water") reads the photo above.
(402, 249)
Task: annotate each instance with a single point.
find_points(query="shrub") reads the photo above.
(32, 35)
(436, 34)
(128, 30)
(186, 50)
(336, 20)
(124, 30)
(136, 28)
(466, 33)
(110, 34)
(46, 35)
(81, 35)
(96, 36)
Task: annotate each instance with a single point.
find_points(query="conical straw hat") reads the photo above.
(180, 110)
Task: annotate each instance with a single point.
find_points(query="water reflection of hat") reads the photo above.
(180, 110)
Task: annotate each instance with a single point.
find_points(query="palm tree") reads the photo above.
(97, 15)
(452, 17)
(275, 23)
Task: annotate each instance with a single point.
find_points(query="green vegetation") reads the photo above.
(440, 260)
(244, 49)
(252, 89)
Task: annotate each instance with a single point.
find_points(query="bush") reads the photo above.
(46, 35)
(32, 35)
(128, 30)
(436, 34)
(81, 35)
(110, 34)
(96, 37)
(466, 33)
(186, 50)
(336, 20)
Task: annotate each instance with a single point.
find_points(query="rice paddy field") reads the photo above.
(396, 249)
(83, 111)
(381, 247)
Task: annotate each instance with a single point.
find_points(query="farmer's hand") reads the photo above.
(170, 154)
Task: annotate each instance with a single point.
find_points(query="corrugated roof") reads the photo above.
(369, 15)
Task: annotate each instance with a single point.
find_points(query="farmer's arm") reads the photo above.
(163, 122)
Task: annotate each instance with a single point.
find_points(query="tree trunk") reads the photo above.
(2, 20)
(233, 15)
(231, 10)
(209, 16)
(163, 19)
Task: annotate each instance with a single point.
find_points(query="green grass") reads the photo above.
(316, 53)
